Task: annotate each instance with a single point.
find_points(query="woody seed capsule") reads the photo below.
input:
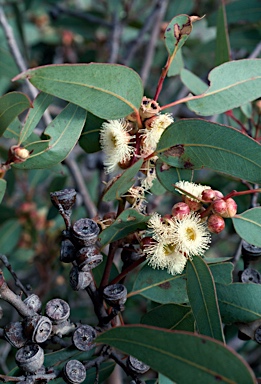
(30, 358)
(33, 302)
(136, 365)
(115, 295)
(85, 232)
(79, 280)
(57, 310)
(83, 337)
(14, 334)
(74, 372)
(37, 328)
(88, 258)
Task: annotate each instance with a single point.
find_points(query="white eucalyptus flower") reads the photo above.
(115, 142)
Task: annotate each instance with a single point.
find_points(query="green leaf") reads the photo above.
(193, 82)
(11, 105)
(13, 130)
(124, 182)
(196, 143)
(170, 316)
(164, 380)
(2, 188)
(222, 39)
(222, 272)
(248, 226)
(181, 356)
(61, 356)
(168, 176)
(10, 235)
(90, 137)
(240, 11)
(202, 297)
(176, 65)
(64, 132)
(34, 115)
(177, 32)
(109, 91)
(161, 287)
(127, 222)
(231, 85)
(239, 302)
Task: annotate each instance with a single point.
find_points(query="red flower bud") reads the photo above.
(193, 205)
(180, 209)
(216, 223)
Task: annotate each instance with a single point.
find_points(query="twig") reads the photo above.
(18, 283)
(161, 5)
(15, 50)
(255, 52)
(136, 44)
(115, 39)
(83, 15)
(128, 269)
(80, 185)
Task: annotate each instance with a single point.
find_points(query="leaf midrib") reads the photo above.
(89, 87)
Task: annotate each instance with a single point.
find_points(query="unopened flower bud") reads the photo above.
(231, 207)
(218, 195)
(193, 205)
(18, 154)
(148, 108)
(216, 223)
(180, 209)
(225, 208)
(208, 195)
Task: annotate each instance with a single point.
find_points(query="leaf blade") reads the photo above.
(203, 299)
(196, 143)
(181, 356)
(108, 91)
(41, 102)
(248, 225)
(231, 85)
(11, 105)
(64, 131)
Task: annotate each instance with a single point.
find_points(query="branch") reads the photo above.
(80, 185)
(15, 50)
(161, 5)
(18, 283)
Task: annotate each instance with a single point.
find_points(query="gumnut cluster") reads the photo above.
(186, 232)
(126, 140)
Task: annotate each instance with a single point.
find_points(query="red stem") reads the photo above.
(128, 269)
(233, 117)
(235, 193)
(113, 248)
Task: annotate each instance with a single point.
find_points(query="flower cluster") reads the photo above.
(176, 239)
(123, 140)
(186, 232)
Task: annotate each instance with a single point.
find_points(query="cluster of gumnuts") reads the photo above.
(38, 331)
(218, 208)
